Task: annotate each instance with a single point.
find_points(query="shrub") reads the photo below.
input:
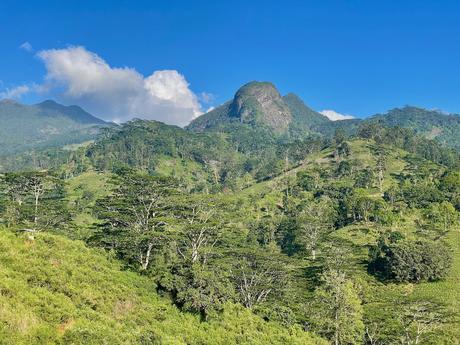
(405, 260)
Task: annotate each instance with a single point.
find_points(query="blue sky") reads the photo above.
(355, 57)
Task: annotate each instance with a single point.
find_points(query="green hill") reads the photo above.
(302, 235)
(429, 123)
(57, 291)
(43, 125)
(240, 229)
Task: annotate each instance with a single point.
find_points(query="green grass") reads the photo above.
(57, 291)
(447, 291)
(187, 171)
(82, 193)
(75, 147)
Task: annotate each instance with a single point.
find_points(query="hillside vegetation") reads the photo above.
(44, 125)
(313, 247)
(55, 290)
(248, 227)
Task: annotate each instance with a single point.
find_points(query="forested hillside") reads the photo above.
(257, 121)
(58, 291)
(44, 125)
(234, 236)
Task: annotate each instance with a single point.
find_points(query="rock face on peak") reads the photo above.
(256, 103)
(261, 103)
(259, 106)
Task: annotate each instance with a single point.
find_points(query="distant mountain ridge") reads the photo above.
(46, 124)
(73, 112)
(445, 128)
(257, 109)
(259, 104)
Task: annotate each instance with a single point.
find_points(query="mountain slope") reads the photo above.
(259, 104)
(355, 191)
(302, 114)
(255, 103)
(429, 123)
(321, 176)
(57, 291)
(46, 124)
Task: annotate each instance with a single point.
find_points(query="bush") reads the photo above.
(405, 260)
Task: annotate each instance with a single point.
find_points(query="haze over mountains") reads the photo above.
(45, 124)
(255, 104)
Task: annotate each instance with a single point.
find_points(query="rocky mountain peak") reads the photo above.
(261, 103)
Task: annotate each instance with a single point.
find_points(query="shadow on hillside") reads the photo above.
(313, 276)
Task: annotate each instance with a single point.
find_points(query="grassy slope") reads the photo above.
(54, 290)
(448, 290)
(82, 191)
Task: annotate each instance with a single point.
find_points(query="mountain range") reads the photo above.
(260, 104)
(256, 105)
(44, 125)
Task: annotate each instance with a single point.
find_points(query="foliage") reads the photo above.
(236, 223)
(33, 200)
(57, 291)
(133, 217)
(338, 310)
(409, 260)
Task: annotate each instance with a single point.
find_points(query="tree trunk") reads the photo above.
(36, 209)
(146, 261)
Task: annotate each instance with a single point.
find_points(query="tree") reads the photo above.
(34, 199)
(450, 185)
(134, 220)
(307, 181)
(442, 217)
(408, 260)
(344, 169)
(339, 136)
(199, 227)
(344, 149)
(202, 288)
(418, 319)
(258, 275)
(364, 178)
(338, 310)
(315, 221)
(265, 230)
(199, 277)
(362, 206)
(380, 166)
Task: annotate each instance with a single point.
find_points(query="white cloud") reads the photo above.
(335, 116)
(26, 46)
(15, 92)
(118, 94)
(206, 97)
